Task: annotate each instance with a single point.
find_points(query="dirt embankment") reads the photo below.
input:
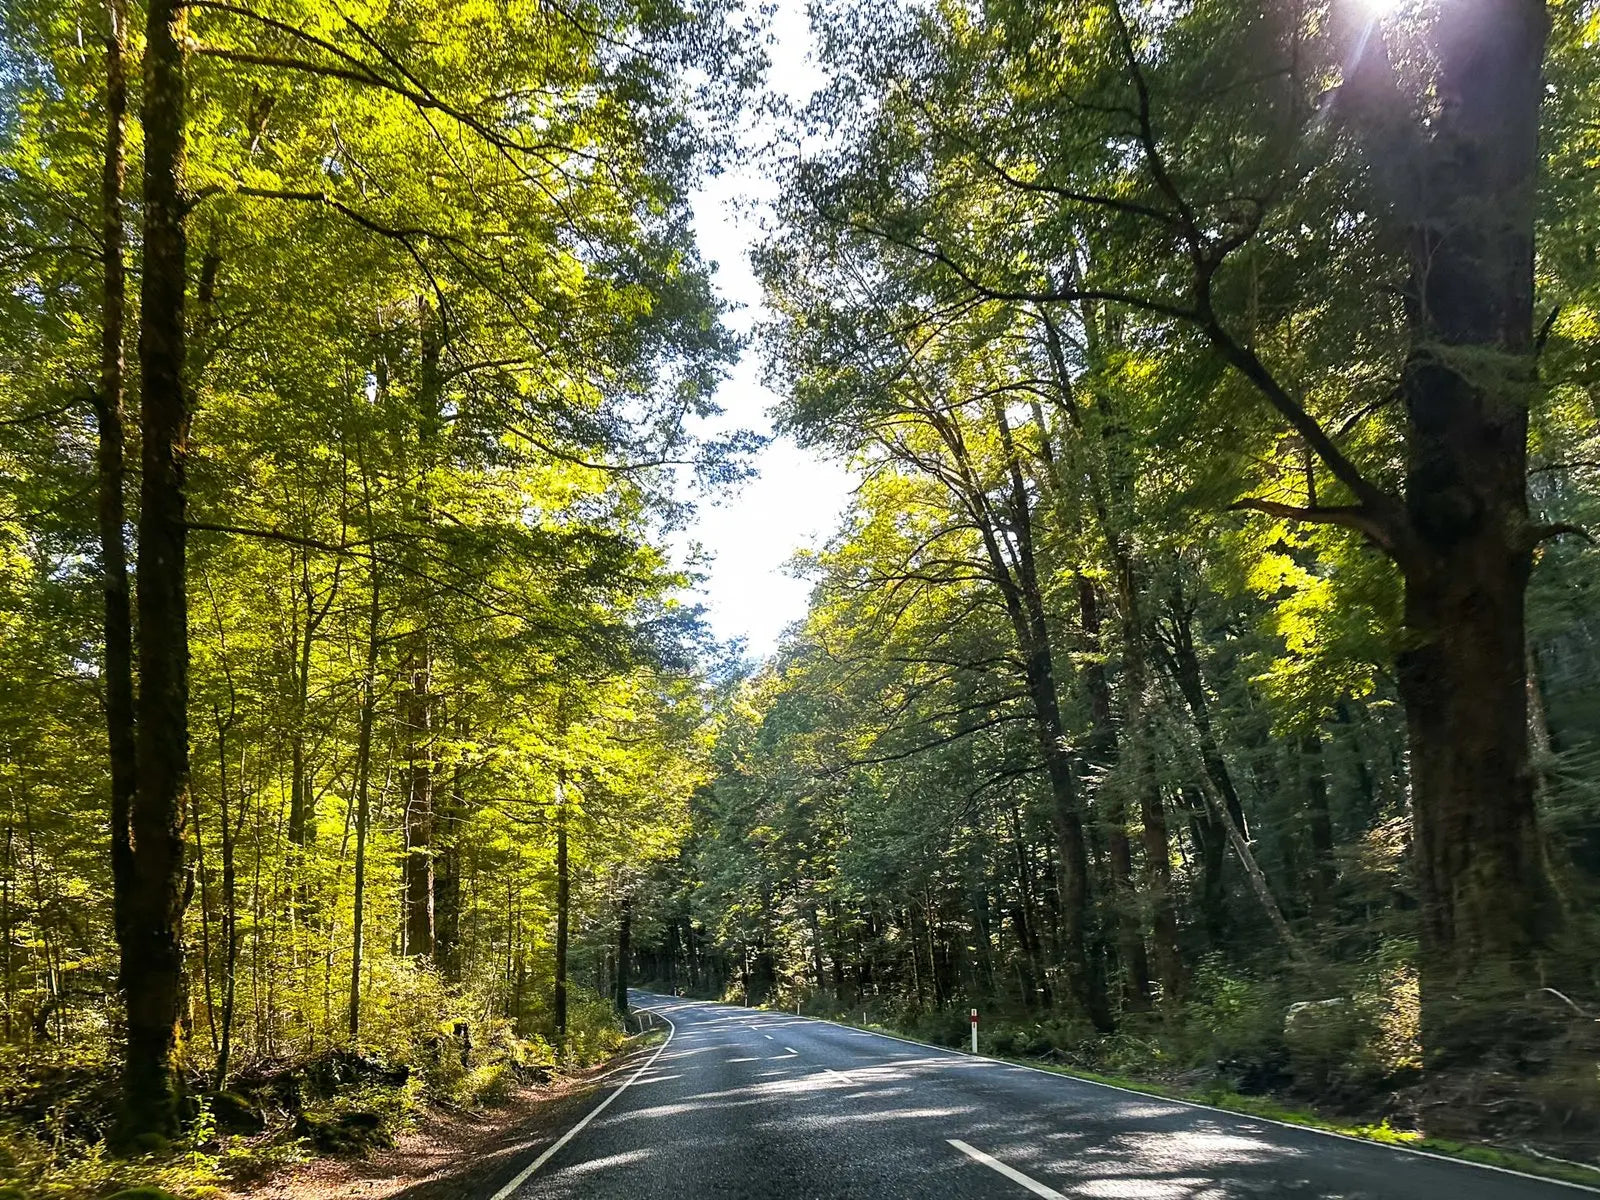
(449, 1155)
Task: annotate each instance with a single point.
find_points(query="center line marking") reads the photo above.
(1011, 1173)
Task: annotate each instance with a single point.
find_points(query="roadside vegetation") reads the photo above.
(1152, 697)
(1202, 681)
(61, 1104)
(348, 358)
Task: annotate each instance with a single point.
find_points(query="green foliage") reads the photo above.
(450, 335)
(1106, 308)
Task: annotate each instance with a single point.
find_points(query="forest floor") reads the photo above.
(448, 1154)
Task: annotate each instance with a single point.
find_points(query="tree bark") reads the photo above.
(1488, 910)
(1183, 666)
(1102, 752)
(1025, 606)
(417, 788)
(152, 950)
(1210, 845)
(111, 466)
(1156, 841)
(447, 880)
(418, 708)
(230, 900)
(1319, 822)
(563, 905)
(624, 952)
(363, 817)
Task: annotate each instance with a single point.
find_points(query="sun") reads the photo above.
(1377, 10)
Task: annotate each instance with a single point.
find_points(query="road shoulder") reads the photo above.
(451, 1155)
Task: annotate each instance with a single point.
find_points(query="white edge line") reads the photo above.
(1011, 1173)
(1227, 1112)
(526, 1173)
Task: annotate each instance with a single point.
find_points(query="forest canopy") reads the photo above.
(1198, 682)
(1201, 681)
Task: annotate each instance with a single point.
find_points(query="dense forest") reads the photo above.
(348, 364)
(1201, 682)
(1209, 634)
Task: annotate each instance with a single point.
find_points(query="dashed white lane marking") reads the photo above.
(523, 1176)
(1011, 1173)
(768, 1036)
(791, 1050)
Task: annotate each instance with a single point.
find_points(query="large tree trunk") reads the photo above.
(1183, 667)
(1487, 908)
(109, 417)
(1210, 847)
(1152, 810)
(152, 949)
(418, 707)
(1319, 821)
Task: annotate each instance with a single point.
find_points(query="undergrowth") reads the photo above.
(59, 1105)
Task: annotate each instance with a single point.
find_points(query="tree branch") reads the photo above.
(1545, 533)
(1349, 516)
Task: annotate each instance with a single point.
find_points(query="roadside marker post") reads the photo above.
(974, 1031)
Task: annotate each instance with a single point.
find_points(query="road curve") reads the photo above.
(745, 1103)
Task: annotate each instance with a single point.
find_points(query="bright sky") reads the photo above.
(796, 499)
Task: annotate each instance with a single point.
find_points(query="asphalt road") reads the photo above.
(744, 1103)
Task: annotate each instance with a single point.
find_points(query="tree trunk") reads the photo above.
(109, 417)
(1210, 844)
(1487, 907)
(230, 902)
(624, 952)
(563, 905)
(1152, 811)
(1183, 665)
(1102, 752)
(417, 788)
(152, 947)
(1319, 822)
(447, 880)
(363, 816)
(1025, 606)
(418, 708)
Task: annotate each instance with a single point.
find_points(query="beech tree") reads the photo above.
(1218, 376)
(1074, 159)
(419, 330)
